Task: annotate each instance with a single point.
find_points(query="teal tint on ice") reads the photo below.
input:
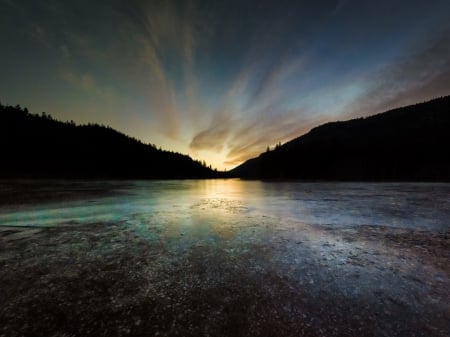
(410, 205)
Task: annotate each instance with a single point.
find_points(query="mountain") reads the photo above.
(405, 144)
(35, 146)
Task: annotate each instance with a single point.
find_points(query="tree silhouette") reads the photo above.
(409, 143)
(38, 146)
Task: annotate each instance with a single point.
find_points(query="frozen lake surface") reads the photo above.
(224, 258)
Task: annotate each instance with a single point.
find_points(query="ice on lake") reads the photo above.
(224, 257)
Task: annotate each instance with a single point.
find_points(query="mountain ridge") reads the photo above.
(38, 146)
(404, 144)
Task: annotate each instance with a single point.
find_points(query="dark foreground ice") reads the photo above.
(224, 258)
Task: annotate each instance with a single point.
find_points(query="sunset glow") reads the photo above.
(221, 80)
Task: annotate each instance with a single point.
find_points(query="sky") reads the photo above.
(221, 80)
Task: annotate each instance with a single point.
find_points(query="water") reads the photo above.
(224, 257)
(410, 205)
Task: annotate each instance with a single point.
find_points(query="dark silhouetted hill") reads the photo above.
(35, 146)
(406, 144)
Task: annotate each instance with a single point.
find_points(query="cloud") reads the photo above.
(228, 78)
(256, 99)
(211, 139)
(133, 46)
(164, 35)
(223, 119)
(84, 81)
(255, 135)
(244, 131)
(274, 77)
(91, 88)
(250, 115)
(417, 75)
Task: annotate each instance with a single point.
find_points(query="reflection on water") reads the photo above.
(224, 257)
(411, 205)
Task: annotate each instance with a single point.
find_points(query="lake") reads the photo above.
(224, 258)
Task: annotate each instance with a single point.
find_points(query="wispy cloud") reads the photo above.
(225, 79)
(214, 136)
(253, 136)
(251, 115)
(421, 73)
(84, 81)
(165, 40)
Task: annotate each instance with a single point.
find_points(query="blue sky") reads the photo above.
(221, 80)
